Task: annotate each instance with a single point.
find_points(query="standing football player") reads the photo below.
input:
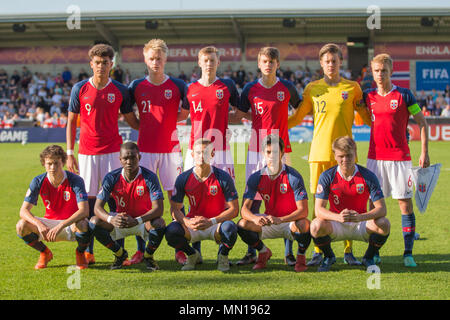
(66, 209)
(97, 101)
(286, 202)
(139, 208)
(267, 101)
(333, 101)
(347, 188)
(158, 98)
(389, 155)
(213, 203)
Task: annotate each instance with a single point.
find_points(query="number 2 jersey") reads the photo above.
(206, 198)
(269, 108)
(99, 115)
(60, 202)
(134, 197)
(353, 194)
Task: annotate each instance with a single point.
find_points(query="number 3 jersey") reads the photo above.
(135, 197)
(269, 107)
(209, 107)
(206, 198)
(60, 202)
(353, 194)
(99, 115)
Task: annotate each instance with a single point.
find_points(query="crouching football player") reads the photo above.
(213, 203)
(66, 209)
(347, 187)
(139, 203)
(286, 202)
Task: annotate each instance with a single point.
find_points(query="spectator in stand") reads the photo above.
(15, 78)
(3, 75)
(182, 76)
(437, 109)
(22, 112)
(3, 109)
(48, 121)
(127, 77)
(59, 79)
(83, 75)
(40, 116)
(440, 99)
(8, 120)
(422, 99)
(446, 111)
(56, 97)
(31, 112)
(425, 112)
(51, 83)
(66, 75)
(56, 108)
(63, 120)
(430, 104)
(118, 74)
(26, 77)
(240, 75)
(41, 82)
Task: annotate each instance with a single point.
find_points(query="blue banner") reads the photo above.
(432, 75)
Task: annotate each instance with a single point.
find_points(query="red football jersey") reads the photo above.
(209, 108)
(60, 202)
(158, 108)
(390, 116)
(99, 115)
(269, 108)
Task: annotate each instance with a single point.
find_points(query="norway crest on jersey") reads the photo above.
(111, 97)
(394, 104)
(283, 188)
(360, 188)
(344, 95)
(280, 95)
(168, 94)
(213, 190)
(140, 191)
(66, 195)
(219, 94)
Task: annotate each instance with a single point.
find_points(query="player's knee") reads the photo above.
(174, 232)
(82, 226)
(158, 223)
(384, 225)
(242, 224)
(317, 225)
(228, 227)
(20, 227)
(302, 225)
(93, 222)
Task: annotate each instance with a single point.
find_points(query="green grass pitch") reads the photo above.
(18, 280)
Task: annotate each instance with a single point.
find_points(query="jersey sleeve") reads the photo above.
(78, 187)
(180, 183)
(132, 90)
(126, 106)
(252, 186)
(107, 187)
(182, 87)
(32, 194)
(234, 95)
(411, 102)
(152, 182)
(359, 105)
(244, 103)
(297, 184)
(74, 102)
(186, 105)
(294, 100)
(375, 191)
(306, 107)
(323, 187)
(227, 185)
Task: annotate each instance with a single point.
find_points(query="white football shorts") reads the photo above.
(93, 169)
(137, 230)
(67, 234)
(206, 234)
(395, 177)
(349, 231)
(167, 165)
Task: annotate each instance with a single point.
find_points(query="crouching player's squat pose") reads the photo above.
(213, 203)
(286, 202)
(66, 209)
(347, 187)
(139, 203)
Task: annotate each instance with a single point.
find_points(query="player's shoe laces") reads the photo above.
(316, 260)
(89, 257)
(247, 259)
(290, 260)
(376, 259)
(81, 260)
(409, 261)
(350, 259)
(262, 259)
(223, 264)
(44, 259)
(300, 264)
(326, 264)
(118, 261)
(138, 257)
(180, 257)
(151, 264)
(191, 261)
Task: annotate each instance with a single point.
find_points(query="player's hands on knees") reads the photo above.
(347, 215)
(53, 233)
(72, 164)
(274, 220)
(120, 220)
(424, 160)
(43, 230)
(262, 221)
(200, 223)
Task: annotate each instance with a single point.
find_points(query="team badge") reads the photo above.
(168, 94)
(360, 188)
(344, 95)
(213, 190)
(394, 104)
(283, 188)
(111, 97)
(319, 188)
(219, 94)
(140, 191)
(422, 187)
(66, 195)
(280, 95)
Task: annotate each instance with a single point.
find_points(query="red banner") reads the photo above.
(44, 55)
(183, 53)
(436, 132)
(292, 51)
(415, 50)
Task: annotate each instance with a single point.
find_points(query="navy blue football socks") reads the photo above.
(409, 229)
(228, 236)
(175, 238)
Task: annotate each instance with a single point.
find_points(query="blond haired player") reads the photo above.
(333, 101)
